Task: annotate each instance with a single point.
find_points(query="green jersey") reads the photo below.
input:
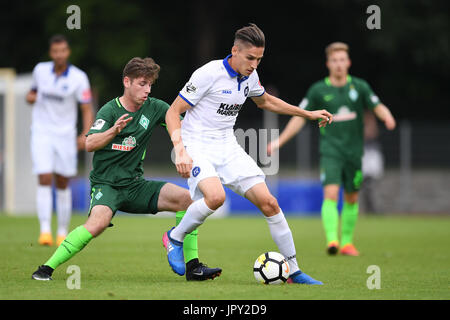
(119, 163)
(344, 137)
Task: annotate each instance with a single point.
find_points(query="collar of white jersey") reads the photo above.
(231, 71)
(65, 72)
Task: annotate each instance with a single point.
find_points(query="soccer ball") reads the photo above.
(271, 268)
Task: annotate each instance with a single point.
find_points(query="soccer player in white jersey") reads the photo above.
(57, 89)
(206, 150)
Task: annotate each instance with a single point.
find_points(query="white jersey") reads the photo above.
(55, 110)
(216, 93)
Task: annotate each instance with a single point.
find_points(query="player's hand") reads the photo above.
(81, 142)
(183, 162)
(273, 146)
(31, 97)
(390, 123)
(323, 116)
(121, 123)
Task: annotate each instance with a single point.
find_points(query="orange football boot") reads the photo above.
(45, 239)
(349, 250)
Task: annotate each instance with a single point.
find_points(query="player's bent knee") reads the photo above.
(98, 220)
(95, 229)
(215, 201)
(269, 206)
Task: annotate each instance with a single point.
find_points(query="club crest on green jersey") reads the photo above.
(144, 122)
(353, 94)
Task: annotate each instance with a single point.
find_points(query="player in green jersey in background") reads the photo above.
(119, 139)
(341, 144)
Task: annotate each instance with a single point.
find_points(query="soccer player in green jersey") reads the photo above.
(119, 139)
(341, 144)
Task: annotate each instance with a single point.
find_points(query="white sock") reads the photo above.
(195, 215)
(44, 207)
(63, 209)
(282, 235)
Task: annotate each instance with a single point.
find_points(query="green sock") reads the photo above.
(349, 217)
(330, 219)
(74, 242)
(190, 245)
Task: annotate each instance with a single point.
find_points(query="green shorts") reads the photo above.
(346, 172)
(139, 197)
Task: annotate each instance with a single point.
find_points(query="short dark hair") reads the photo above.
(138, 67)
(251, 34)
(57, 38)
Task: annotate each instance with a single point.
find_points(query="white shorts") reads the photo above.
(229, 162)
(52, 153)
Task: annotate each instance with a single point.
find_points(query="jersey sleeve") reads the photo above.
(197, 86)
(162, 110)
(84, 90)
(103, 121)
(309, 102)
(256, 89)
(370, 99)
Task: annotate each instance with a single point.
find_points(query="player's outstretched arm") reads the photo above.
(183, 161)
(274, 104)
(96, 141)
(88, 117)
(292, 128)
(384, 114)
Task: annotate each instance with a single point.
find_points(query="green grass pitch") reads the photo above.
(128, 260)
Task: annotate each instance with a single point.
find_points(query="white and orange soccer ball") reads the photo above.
(271, 268)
